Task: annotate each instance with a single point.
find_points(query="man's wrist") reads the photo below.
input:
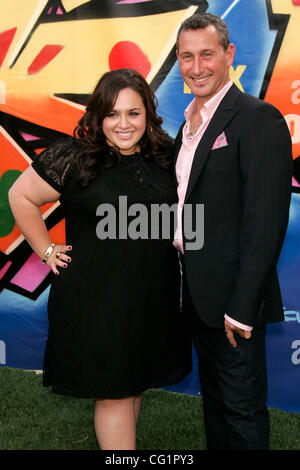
(238, 324)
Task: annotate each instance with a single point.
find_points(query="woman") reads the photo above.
(114, 322)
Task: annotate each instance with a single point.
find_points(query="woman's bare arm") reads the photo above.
(26, 196)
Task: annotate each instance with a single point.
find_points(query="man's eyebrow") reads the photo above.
(185, 52)
(201, 51)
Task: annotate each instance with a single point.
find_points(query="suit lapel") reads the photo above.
(224, 113)
(177, 145)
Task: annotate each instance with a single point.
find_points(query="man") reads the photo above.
(233, 154)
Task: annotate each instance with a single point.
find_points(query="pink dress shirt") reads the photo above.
(185, 161)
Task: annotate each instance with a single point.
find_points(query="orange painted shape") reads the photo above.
(44, 111)
(13, 160)
(296, 150)
(38, 151)
(10, 157)
(57, 233)
(279, 94)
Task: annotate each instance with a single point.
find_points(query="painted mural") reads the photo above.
(52, 53)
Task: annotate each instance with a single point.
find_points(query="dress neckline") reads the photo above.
(131, 155)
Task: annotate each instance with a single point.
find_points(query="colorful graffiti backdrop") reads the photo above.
(52, 53)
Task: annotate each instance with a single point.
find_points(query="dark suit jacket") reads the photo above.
(245, 188)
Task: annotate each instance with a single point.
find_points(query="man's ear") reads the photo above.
(230, 54)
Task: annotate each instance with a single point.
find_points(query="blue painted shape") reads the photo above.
(23, 329)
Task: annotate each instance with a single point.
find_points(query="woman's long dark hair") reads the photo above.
(94, 149)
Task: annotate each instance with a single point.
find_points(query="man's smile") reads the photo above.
(200, 79)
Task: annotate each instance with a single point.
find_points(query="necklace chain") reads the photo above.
(191, 134)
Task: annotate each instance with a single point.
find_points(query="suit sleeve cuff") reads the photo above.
(238, 324)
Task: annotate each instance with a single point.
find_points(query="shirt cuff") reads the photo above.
(238, 324)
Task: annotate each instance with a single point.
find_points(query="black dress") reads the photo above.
(115, 327)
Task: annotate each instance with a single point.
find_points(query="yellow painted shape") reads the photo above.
(19, 13)
(23, 16)
(236, 74)
(2, 92)
(282, 6)
(71, 4)
(290, 47)
(84, 58)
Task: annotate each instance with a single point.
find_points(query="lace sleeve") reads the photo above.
(55, 163)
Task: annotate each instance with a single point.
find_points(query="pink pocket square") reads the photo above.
(220, 141)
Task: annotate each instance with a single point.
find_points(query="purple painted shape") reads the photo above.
(295, 182)
(28, 137)
(49, 11)
(59, 11)
(4, 269)
(133, 1)
(32, 273)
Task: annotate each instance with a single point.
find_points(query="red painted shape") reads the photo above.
(126, 54)
(296, 3)
(44, 57)
(5, 41)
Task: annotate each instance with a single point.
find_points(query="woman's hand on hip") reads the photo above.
(59, 258)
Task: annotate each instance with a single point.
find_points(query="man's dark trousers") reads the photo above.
(233, 383)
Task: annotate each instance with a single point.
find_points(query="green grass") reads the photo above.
(33, 418)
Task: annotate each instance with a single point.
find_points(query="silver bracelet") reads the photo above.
(48, 253)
